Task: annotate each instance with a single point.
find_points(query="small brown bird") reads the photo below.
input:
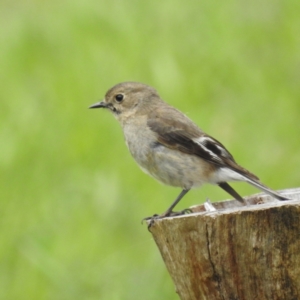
(167, 145)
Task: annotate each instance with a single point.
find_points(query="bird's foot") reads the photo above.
(165, 215)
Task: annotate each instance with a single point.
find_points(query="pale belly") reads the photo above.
(171, 167)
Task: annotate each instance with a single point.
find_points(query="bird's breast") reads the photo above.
(139, 139)
(169, 166)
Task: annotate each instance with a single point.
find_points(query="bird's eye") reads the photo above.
(119, 97)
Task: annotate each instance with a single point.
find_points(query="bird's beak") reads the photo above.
(99, 105)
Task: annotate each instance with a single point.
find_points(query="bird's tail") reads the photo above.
(267, 190)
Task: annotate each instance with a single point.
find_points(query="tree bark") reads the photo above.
(236, 252)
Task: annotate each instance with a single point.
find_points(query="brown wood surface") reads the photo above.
(235, 253)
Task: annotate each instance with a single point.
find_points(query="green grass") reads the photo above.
(71, 196)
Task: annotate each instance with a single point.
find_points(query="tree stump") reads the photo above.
(236, 252)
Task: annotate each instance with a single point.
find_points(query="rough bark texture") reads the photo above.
(235, 253)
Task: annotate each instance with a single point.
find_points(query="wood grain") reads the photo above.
(237, 252)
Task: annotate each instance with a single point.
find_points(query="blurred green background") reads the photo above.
(71, 196)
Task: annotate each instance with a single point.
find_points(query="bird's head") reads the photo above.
(127, 98)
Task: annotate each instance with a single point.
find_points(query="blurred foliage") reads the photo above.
(71, 196)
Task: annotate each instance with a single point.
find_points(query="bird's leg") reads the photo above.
(227, 188)
(169, 211)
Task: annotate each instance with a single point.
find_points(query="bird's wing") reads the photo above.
(175, 131)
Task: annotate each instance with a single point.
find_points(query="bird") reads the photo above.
(170, 147)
